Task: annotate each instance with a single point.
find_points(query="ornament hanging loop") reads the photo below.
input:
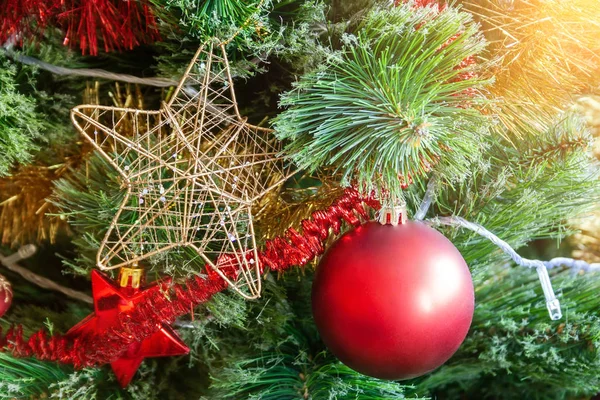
(392, 215)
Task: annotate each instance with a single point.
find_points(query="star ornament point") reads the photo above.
(191, 171)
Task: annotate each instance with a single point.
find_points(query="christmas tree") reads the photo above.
(176, 174)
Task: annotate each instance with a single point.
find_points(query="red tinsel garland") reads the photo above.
(19, 17)
(116, 24)
(123, 25)
(281, 253)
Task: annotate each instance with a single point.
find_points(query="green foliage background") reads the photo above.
(361, 92)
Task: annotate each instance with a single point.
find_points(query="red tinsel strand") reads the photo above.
(135, 326)
(24, 18)
(122, 24)
(117, 24)
(293, 248)
(140, 21)
(280, 254)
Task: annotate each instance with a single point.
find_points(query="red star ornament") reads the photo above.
(109, 301)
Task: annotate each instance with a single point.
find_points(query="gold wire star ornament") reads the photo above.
(192, 171)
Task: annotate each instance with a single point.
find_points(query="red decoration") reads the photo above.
(120, 24)
(6, 295)
(298, 249)
(139, 323)
(110, 302)
(19, 17)
(393, 302)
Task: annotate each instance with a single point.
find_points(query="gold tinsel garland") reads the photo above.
(23, 206)
(277, 212)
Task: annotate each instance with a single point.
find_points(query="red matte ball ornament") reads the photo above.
(393, 302)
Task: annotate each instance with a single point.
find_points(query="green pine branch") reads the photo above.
(526, 189)
(514, 349)
(27, 378)
(206, 19)
(393, 103)
(291, 371)
(20, 124)
(291, 374)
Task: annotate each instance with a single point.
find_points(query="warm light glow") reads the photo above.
(545, 50)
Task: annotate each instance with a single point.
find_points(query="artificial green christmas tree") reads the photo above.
(233, 174)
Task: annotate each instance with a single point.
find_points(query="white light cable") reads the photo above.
(541, 267)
